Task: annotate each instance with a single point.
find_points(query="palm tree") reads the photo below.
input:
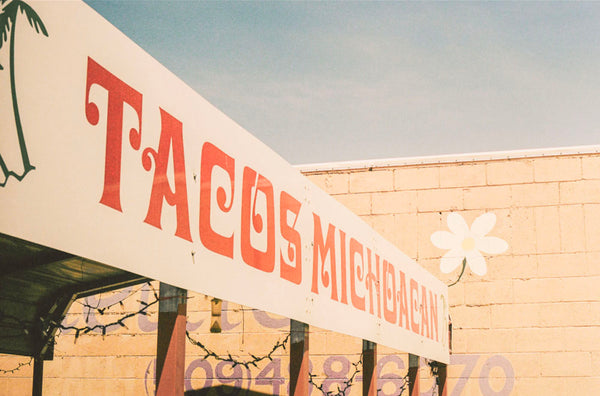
(8, 20)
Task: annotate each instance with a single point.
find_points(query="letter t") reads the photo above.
(118, 94)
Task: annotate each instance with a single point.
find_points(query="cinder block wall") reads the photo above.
(529, 326)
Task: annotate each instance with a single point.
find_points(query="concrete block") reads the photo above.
(417, 178)
(405, 236)
(372, 181)
(592, 227)
(581, 191)
(465, 317)
(590, 166)
(535, 194)
(508, 267)
(339, 344)
(525, 364)
(332, 183)
(427, 224)
(567, 364)
(440, 200)
(464, 175)
(568, 314)
(562, 264)
(515, 315)
(523, 231)
(488, 197)
(582, 339)
(547, 227)
(538, 385)
(491, 341)
(510, 171)
(583, 385)
(394, 202)
(385, 225)
(557, 169)
(501, 292)
(359, 204)
(477, 293)
(557, 289)
(539, 339)
(456, 294)
(572, 228)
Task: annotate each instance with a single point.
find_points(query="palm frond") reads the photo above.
(4, 28)
(7, 19)
(33, 18)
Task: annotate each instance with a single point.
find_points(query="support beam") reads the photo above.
(369, 350)
(443, 370)
(442, 380)
(170, 350)
(298, 358)
(38, 376)
(413, 375)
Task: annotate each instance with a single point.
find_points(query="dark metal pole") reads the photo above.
(38, 376)
(443, 381)
(298, 358)
(413, 375)
(369, 350)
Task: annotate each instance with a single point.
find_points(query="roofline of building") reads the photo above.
(446, 159)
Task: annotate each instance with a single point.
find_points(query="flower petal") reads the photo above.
(451, 260)
(457, 224)
(444, 240)
(483, 224)
(476, 262)
(491, 245)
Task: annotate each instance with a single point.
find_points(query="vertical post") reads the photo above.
(369, 350)
(298, 358)
(442, 380)
(38, 376)
(413, 375)
(443, 370)
(170, 349)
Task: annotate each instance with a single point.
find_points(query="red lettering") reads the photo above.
(343, 265)
(389, 293)
(253, 182)
(373, 283)
(424, 313)
(433, 307)
(404, 303)
(293, 273)
(171, 138)
(356, 248)
(414, 305)
(321, 250)
(213, 157)
(118, 94)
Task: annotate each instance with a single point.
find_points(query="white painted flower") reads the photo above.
(464, 243)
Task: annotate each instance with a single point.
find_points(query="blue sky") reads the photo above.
(331, 81)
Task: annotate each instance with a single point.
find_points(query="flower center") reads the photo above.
(468, 244)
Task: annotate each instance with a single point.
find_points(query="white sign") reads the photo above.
(105, 154)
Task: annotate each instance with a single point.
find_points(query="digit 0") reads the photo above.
(189, 372)
(484, 376)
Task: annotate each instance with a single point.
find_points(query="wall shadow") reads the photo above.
(224, 390)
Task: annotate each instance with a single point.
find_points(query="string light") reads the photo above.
(347, 384)
(231, 359)
(119, 322)
(17, 368)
